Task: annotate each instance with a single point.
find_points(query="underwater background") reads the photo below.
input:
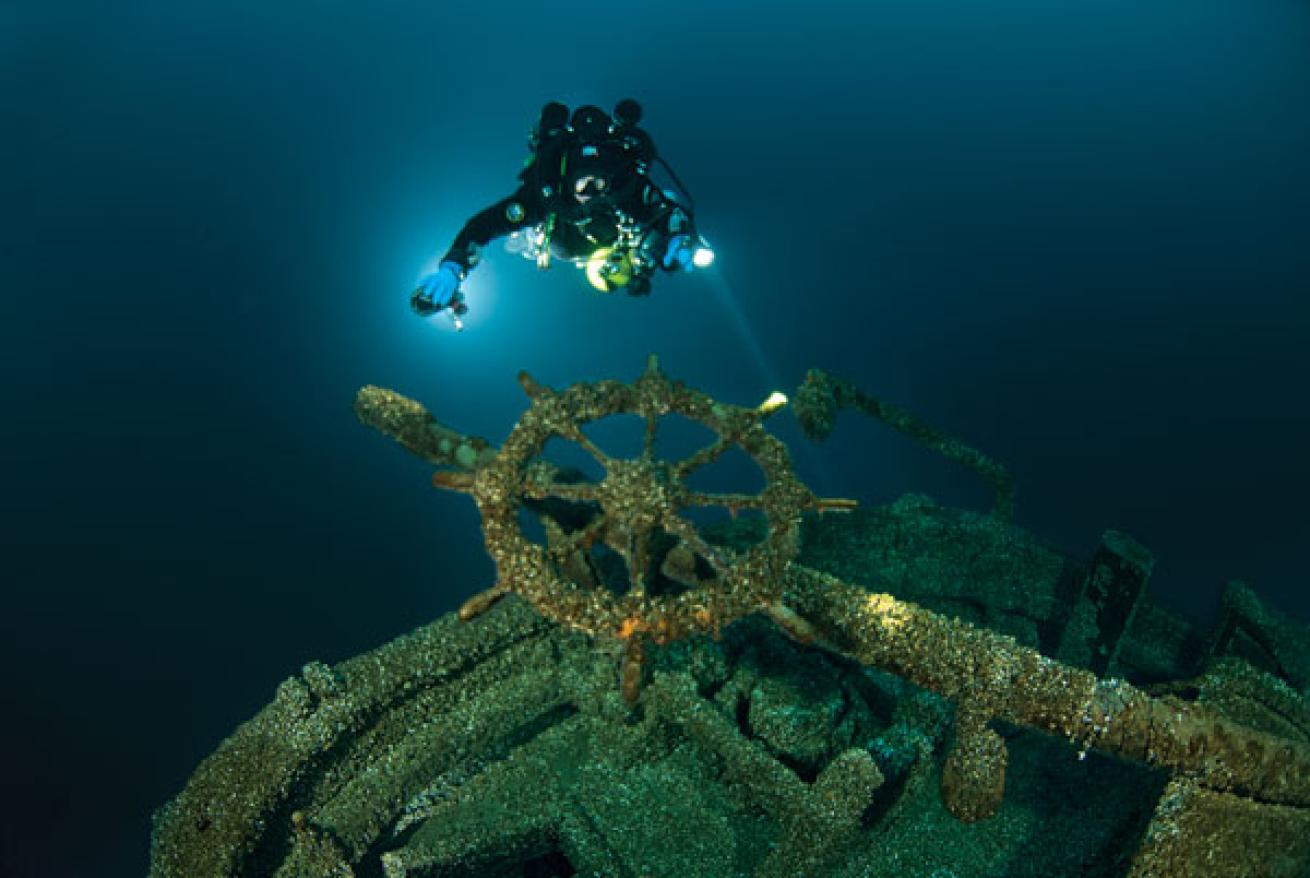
(1075, 235)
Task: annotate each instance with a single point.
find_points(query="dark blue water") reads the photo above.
(1073, 234)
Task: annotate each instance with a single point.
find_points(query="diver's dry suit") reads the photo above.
(586, 186)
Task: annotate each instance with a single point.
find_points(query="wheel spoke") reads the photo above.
(590, 447)
(555, 535)
(638, 561)
(541, 480)
(570, 563)
(733, 502)
(648, 440)
(708, 454)
(685, 531)
(581, 539)
(578, 493)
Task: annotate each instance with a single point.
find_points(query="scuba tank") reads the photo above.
(624, 153)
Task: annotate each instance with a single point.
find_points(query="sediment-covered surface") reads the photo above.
(503, 746)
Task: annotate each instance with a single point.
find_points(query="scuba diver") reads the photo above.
(585, 195)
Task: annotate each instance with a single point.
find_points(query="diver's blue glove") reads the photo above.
(438, 289)
(680, 253)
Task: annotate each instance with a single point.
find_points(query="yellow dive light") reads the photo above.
(608, 269)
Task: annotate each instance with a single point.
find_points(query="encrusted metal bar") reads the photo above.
(684, 531)
(995, 677)
(581, 540)
(639, 562)
(590, 447)
(701, 457)
(822, 396)
(481, 602)
(731, 502)
(648, 437)
(973, 778)
(582, 492)
(411, 425)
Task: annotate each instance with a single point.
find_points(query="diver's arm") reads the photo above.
(520, 210)
(440, 289)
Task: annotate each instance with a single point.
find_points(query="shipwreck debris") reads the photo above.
(637, 501)
(412, 760)
(822, 396)
(1106, 602)
(1251, 630)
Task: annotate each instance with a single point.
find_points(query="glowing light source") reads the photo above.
(703, 257)
(607, 270)
(776, 400)
(594, 266)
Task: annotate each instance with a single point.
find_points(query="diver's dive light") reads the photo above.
(609, 268)
(703, 256)
(456, 309)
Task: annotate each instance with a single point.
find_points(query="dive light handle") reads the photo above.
(425, 307)
(457, 309)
